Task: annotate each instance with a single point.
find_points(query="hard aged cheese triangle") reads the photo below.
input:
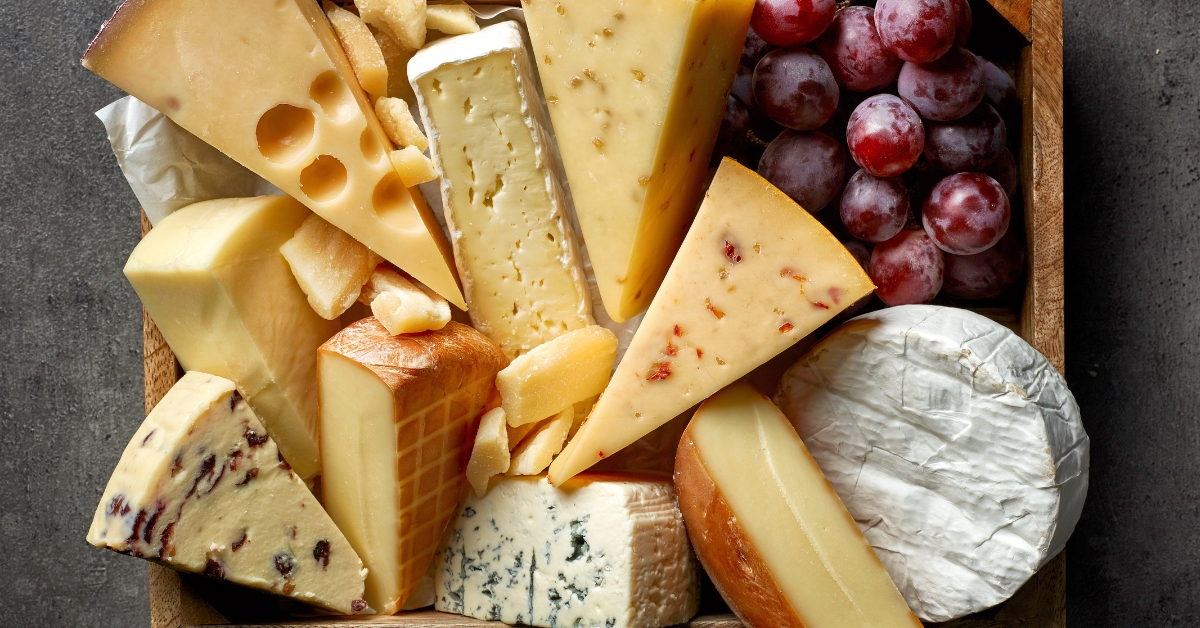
(202, 488)
(636, 90)
(267, 83)
(755, 274)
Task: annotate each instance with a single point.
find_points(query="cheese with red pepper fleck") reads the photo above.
(755, 274)
(201, 487)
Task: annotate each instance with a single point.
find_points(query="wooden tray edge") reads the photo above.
(1042, 601)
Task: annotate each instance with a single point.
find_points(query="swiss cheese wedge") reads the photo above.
(268, 83)
(768, 527)
(636, 90)
(755, 275)
(397, 416)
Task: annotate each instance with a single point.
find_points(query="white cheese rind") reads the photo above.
(955, 445)
(605, 551)
(202, 488)
(501, 187)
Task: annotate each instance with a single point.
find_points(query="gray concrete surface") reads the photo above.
(1133, 306)
(70, 376)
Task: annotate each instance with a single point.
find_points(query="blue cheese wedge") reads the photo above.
(604, 551)
(502, 189)
(202, 488)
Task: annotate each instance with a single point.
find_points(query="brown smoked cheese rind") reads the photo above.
(723, 547)
(776, 539)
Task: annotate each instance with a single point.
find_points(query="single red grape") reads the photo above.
(855, 53)
(999, 89)
(874, 209)
(946, 89)
(795, 88)
(885, 135)
(919, 31)
(754, 49)
(968, 144)
(967, 213)
(988, 274)
(962, 30)
(907, 269)
(743, 85)
(731, 138)
(792, 22)
(1004, 170)
(808, 166)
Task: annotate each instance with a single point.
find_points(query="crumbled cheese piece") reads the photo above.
(558, 374)
(533, 455)
(413, 166)
(402, 306)
(330, 266)
(451, 19)
(361, 49)
(404, 20)
(490, 455)
(399, 124)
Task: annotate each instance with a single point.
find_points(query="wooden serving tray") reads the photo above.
(1030, 33)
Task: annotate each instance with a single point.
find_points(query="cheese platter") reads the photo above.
(492, 374)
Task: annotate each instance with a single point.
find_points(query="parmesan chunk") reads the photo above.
(489, 456)
(557, 374)
(517, 434)
(413, 166)
(399, 124)
(404, 307)
(330, 266)
(451, 19)
(404, 20)
(361, 48)
(396, 56)
(535, 454)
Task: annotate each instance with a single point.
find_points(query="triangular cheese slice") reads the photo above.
(202, 488)
(755, 275)
(636, 91)
(267, 83)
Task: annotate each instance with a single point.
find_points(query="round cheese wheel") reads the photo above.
(955, 445)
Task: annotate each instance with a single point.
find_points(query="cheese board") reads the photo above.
(1024, 34)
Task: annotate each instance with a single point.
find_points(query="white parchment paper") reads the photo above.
(169, 168)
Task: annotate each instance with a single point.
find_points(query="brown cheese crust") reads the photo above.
(727, 553)
(452, 357)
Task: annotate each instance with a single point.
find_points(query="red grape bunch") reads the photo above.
(894, 90)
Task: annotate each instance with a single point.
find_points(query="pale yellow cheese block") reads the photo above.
(501, 188)
(267, 83)
(397, 414)
(768, 527)
(202, 488)
(212, 277)
(636, 91)
(755, 275)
